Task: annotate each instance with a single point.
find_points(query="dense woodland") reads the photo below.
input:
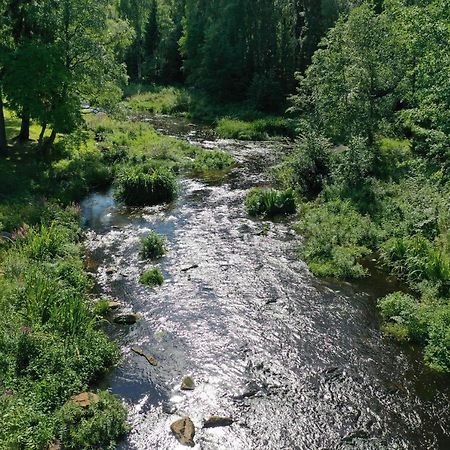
(360, 87)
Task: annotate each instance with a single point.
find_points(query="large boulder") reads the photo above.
(184, 431)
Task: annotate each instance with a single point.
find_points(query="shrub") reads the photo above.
(99, 425)
(308, 168)
(437, 351)
(50, 346)
(152, 277)
(270, 202)
(417, 259)
(404, 317)
(141, 185)
(153, 246)
(337, 236)
(255, 130)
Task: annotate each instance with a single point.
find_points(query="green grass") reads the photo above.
(152, 277)
(212, 160)
(151, 99)
(270, 202)
(254, 130)
(153, 246)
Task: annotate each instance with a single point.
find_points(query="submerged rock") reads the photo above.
(187, 384)
(110, 270)
(184, 431)
(112, 305)
(151, 360)
(127, 319)
(218, 421)
(85, 399)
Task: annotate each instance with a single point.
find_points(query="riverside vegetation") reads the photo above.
(369, 174)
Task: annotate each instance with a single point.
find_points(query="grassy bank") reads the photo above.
(52, 343)
(231, 120)
(383, 200)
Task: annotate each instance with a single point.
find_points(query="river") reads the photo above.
(297, 362)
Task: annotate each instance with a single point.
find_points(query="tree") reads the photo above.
(73, 53)
(4, 46)
(353, 81)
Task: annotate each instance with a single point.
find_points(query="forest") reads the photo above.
(346, 102)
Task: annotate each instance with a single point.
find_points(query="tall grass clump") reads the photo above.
(153, 246)
(152, 277)
(270, 202)
(145, 185)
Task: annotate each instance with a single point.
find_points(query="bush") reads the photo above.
(153, 246)
(416, 259)
(424, 322)
(99, 425)
(404, 318)
(142, 185)
(270, 202)
(308, 168)
(337, 236)
(152, 277)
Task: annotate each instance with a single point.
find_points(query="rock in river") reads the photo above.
(184, 430)
(85, 399)
(187, 384)
(151, 360)
(218, 421)
(127, 319)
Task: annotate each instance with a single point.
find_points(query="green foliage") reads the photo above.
(404, 316)
(50, 344)
(144, 185)
(102, 424)
(153, 246)
(212, 160)
(157, 99)
(425, 322)
(308, 168)
(337, 236)
(255, 130)
(152, 277)
(270, 202)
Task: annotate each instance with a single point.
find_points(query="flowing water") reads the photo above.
(297, 362)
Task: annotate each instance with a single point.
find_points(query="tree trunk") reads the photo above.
(41, 135)
(48, 143)
(3, 141)
(24, 135)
